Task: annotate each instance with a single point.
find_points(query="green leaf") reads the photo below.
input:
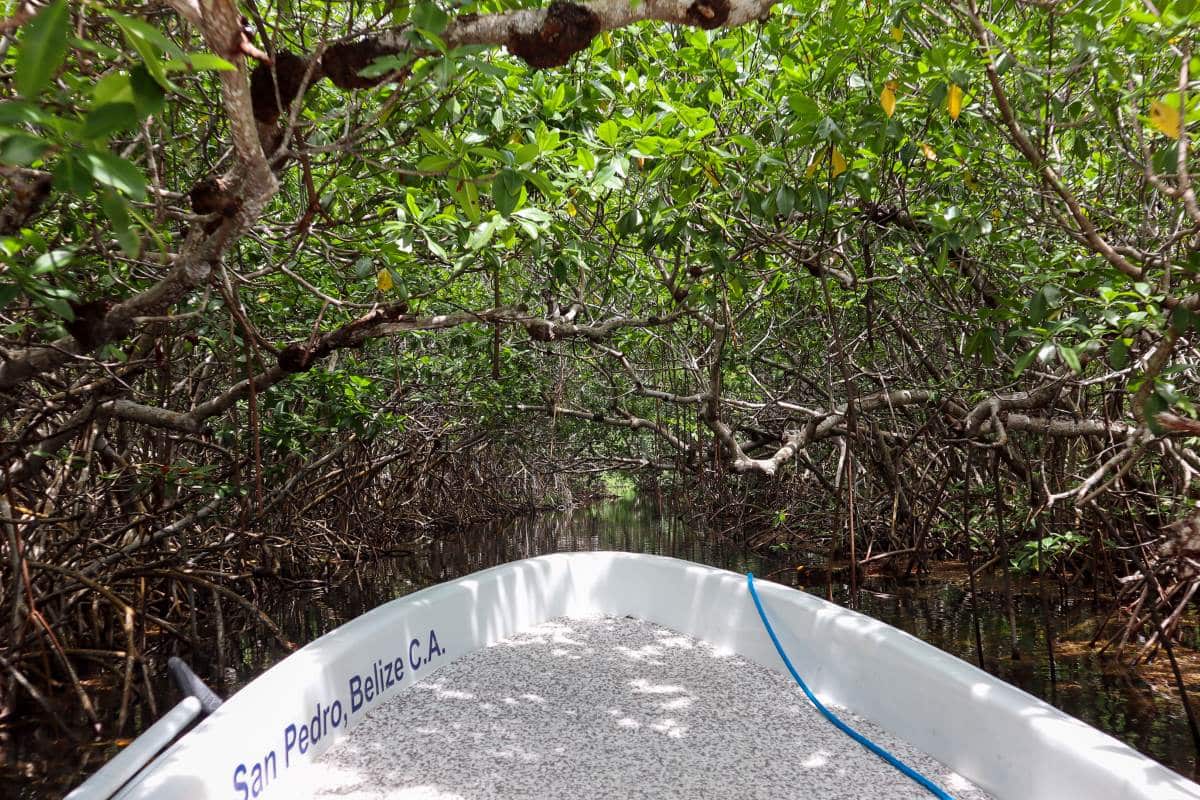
(118, 214)
(148, 96)
(629, 222)
(154, 66)
(466, 193)
(607, 132)
(48, 262)
(200, 62)
(1155, 405)
(1070, 358)
(785, 201)
(1024, 361)
(19, 112)
(144, 224)
(480, 237)
(43, 49)
(434, 141)
(527, 152)
(108, 119)
(430, 18)
(534, 215)
(56, 305)
(8, 291)
(1167, 391)
(22, 149)
(828, 130)
(803, 106)
(982, 344)
(103, 51)
(436, 249)
(433, 163)
(148, 42)
(541, 183)
(1182, 319)
(70, 176)
(145, 32)
(1118, 353)
(1036, 311)
(470, 197)
(114, 171)
(203, 62)
(410, 202)
(114, 87)
(506, 191)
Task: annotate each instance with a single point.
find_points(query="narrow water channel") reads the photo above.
(36, 763)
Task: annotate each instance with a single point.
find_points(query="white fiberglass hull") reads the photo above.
(1005, 741)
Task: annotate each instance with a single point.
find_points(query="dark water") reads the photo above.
(35, 762)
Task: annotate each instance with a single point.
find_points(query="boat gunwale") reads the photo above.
(1043, 752)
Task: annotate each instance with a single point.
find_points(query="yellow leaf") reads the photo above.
(887, 99)
(711, 174)
(571, 209)
(897, 34)
(829, 155)
(1165, 119)
(383, 280)
(970, 181)
(812, 165)
(954, 101)
(929, 152)
(839, 162)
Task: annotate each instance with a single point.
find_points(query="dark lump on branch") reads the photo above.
(295, 358)
(92, 326)
(288, 71)
(26, 198)
(214, 195)
(566, 29)
(300, 357)
(541, 331)
(708, 14)
(211, 195)
(341, 63)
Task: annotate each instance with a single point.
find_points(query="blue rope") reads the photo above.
(829, 715)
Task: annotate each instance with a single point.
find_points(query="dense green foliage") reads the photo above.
(812, 269)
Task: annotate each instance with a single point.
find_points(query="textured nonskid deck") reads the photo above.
(611, 708)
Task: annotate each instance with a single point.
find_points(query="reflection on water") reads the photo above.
(938, 612)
